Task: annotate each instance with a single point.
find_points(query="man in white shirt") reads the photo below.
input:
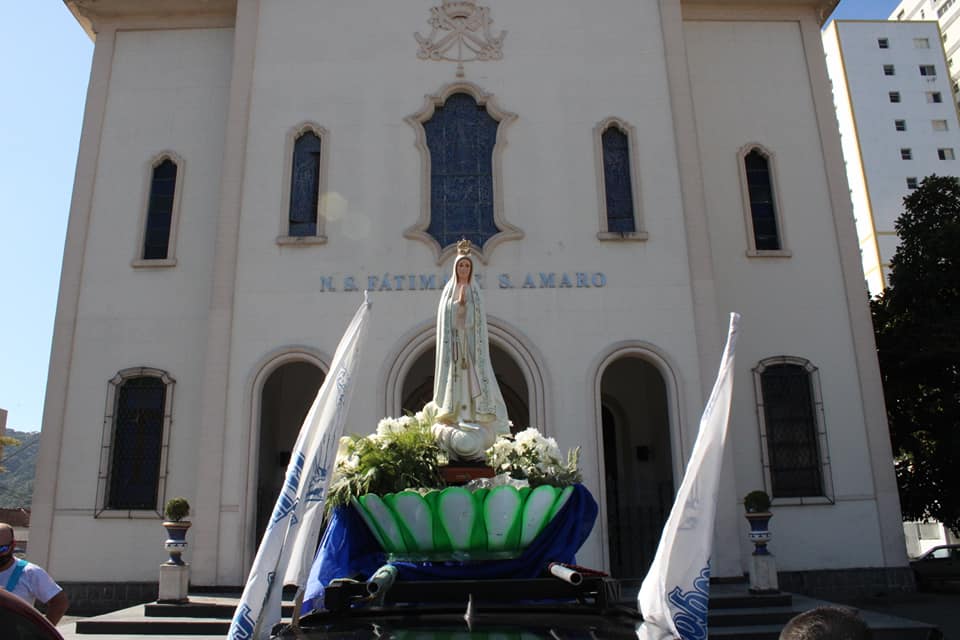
(27, 580)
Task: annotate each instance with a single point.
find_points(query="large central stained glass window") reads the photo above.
(461, 136)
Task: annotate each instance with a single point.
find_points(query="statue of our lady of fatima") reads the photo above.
(469, 407)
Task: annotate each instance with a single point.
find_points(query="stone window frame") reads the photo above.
(640, 233)
(752, 251)
(283, 237)
(823, 448)
(503, 118)
(107, 442)
(139, 262)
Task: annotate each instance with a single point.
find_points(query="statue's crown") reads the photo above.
(463, 247)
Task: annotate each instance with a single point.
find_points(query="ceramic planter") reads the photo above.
(459, 523)
(176, 542)
(759, 531)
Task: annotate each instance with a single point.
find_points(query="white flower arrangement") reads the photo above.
(531, 456)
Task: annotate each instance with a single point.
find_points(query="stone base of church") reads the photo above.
(838, 584)
(95, 598)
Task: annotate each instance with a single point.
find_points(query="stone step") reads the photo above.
(756, 615)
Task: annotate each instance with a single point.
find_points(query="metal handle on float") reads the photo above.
(565, 573)
(381, 581)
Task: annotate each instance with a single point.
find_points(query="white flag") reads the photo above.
(289, 542)
(676, 591)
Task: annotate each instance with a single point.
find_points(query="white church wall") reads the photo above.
(360, 92)
(791, 305)
(167, 93)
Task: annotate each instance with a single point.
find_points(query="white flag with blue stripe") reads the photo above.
(289, 542)
(675, 593)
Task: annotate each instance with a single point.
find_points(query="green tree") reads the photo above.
(6, 441)
(917, 326)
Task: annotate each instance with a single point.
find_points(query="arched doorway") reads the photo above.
(418, 385)
(285, 399)
(638, 462)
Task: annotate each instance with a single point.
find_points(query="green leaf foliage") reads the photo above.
(19, 462)
(403, 456)
(917, 327)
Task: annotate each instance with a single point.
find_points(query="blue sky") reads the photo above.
(45, 66)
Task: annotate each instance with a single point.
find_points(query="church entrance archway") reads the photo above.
(418, 385)
(285, 399)
(637, 460)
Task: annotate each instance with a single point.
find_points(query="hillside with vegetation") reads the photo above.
(19, 462)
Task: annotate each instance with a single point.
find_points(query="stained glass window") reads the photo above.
(163, 184)
(305, 185)
(791, 428)
(461, 136)
(766, 236)
(137, 443)
(618, 189)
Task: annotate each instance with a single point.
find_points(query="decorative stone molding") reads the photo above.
(284, 238)
(503, 118)
(628, 130)
(139, 262)
(460, 32)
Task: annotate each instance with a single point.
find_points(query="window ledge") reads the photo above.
(154, 264)
(294, 241)
(623, 236)
(798, 502)
(769, 253)
(130, 514)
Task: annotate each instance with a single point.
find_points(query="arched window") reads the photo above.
(305, 185)
(790, 410)
(159, 232)
(136, 432)
(764, 225)
(460, 136)
(617, 182)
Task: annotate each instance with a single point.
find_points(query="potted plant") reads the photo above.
(757, 505)
(175, 511)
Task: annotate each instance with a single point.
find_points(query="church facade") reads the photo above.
(629, 171)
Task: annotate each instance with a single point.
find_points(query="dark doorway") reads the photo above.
(418, 386)
(284, 402)
(637, 462)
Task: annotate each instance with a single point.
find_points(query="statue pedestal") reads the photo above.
(763, 574)
(461, 473)
(174, 583)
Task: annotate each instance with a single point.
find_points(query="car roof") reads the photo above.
(19, 607)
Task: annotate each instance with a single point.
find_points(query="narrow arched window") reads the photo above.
(763, 209)
(617, 181)
(618, 193)
(163, 187)
(305, 178)
(136, 432)
(792, 431)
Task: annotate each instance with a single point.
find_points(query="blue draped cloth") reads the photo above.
(349, 550)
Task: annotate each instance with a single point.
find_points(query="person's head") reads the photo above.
(6, 542)
(464, 269)
(826, 623)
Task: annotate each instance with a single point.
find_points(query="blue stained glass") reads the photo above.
(461, 136)
(617, 181)
(137, 443)
(156, 237)
(305, 185)
(766, 236)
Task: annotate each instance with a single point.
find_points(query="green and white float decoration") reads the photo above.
(392, 478)
(481, 523)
